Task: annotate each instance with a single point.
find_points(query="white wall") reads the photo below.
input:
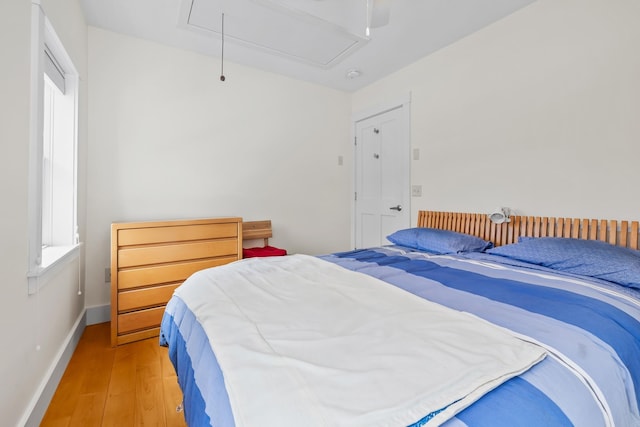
(168, 140)
(538, 112)
(44, 319)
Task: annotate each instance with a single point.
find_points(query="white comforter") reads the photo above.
(303, 342)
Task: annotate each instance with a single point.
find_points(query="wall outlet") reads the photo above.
(107, 275)
(416, 190)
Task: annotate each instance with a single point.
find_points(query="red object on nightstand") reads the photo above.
(263, 252)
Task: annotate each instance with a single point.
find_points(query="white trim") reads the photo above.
(34, 216)
(59, 257)
(53, 69)
(98, 314)
(39, 403)
(383, 108)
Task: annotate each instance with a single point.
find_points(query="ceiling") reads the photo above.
(318, 41)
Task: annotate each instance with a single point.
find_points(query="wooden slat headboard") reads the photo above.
(619, 233)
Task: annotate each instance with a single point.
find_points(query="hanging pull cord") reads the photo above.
(222, 78)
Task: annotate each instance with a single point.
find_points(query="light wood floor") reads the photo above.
(130, 385)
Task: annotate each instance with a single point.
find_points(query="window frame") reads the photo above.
(43, 263)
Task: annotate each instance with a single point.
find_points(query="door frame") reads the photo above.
(404, 103)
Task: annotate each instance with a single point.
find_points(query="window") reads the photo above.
(53, 153)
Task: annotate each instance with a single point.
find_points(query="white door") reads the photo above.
(382, 177)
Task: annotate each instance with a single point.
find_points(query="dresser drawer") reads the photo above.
(158, 274)
(149, 255)
(147, 297)
(164, 232)
(141, 319)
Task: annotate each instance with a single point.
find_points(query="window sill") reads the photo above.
(53, 260)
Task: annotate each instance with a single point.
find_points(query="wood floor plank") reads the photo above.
(149, 399)
(173, 399)
(123, 374)
(130, 385)
(56, 422)
(65, 399)
(89, 410)
(63, 402)
(120, 409)
(99, 371)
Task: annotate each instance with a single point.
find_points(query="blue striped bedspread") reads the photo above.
(591, 331)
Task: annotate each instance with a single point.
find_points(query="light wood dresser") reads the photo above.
(150, 259)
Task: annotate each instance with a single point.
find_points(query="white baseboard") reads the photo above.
(40, 401)
(98, 314)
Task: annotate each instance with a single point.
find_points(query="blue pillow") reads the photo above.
(438, 241)
(591, 258)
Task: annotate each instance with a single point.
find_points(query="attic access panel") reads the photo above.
(275, 27)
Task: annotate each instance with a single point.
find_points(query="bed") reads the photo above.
(458, 322)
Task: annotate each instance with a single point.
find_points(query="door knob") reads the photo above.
(396, 208)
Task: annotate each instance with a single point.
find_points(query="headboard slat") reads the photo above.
(603, 230)
(593, 232)
(575, 228)
(530, 226)
(613, 232)
(566, 228)
(552, 228)
(585, 229)
(624, 233)
(633, 240)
